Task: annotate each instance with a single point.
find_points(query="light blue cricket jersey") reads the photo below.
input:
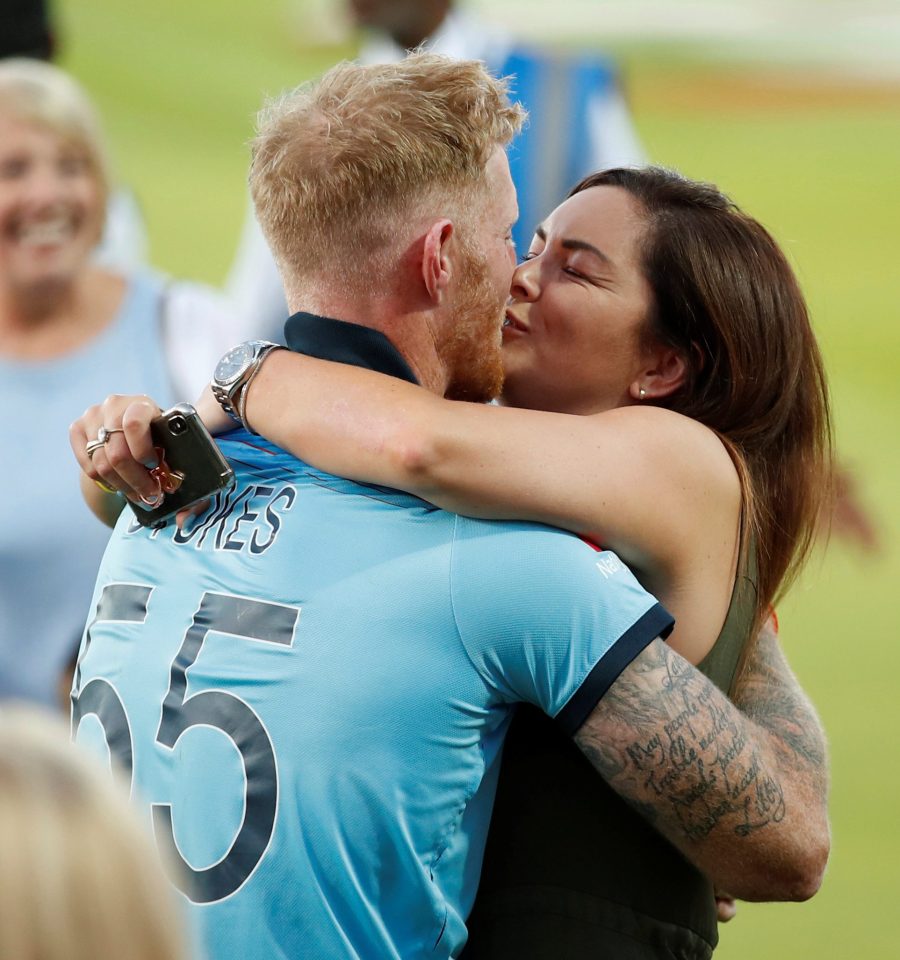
(311, 687)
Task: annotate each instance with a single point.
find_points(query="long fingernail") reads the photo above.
(151, 463)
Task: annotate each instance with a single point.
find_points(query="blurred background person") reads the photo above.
(79, 878)
(69, 328)
(27, 30)
(578, 123)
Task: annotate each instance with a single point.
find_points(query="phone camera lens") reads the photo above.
(177, 426)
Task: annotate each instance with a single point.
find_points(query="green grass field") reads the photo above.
(817, 159)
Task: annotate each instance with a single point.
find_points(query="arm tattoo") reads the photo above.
(769, 694)
(670, 742)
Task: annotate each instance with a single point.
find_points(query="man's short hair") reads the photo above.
(340, 164)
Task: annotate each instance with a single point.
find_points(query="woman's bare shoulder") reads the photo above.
(683, 507)
(677, 445)
(679, 495)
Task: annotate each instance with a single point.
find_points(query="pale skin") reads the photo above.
(52, 300)
(721, 784)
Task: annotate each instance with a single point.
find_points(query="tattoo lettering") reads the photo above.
(769, 694)
(668, 740)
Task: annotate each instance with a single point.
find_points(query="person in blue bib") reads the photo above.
(578, 122)
(309, 685)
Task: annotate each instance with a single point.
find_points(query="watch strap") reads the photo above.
(224, 398)
(249, 378)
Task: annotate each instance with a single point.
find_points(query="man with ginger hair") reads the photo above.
(579, 121)
(310, 686)
(332, 188)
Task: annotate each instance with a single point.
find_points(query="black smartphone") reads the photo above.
(194, 462)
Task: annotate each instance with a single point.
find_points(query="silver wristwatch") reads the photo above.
(234, 373)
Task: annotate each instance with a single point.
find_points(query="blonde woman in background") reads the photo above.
(79, 878)
(70, 329)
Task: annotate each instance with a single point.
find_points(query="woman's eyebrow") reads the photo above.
(589, 247)
(541, 234)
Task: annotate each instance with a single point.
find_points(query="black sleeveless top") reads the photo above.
(571, 872)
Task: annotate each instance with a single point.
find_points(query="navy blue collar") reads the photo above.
(328, 339)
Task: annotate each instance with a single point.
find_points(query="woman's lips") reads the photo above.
(512, 323)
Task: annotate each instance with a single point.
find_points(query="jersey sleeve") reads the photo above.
(546, 618)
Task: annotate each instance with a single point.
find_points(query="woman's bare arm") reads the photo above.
(658, 488)
(639, 478)
(106, 507)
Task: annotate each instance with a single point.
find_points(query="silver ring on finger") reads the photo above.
(102, 439)
(104, 433)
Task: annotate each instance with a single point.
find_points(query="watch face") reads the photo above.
(233, 363)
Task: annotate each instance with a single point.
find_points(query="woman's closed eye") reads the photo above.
(573, 272)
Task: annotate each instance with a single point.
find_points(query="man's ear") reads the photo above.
(436, 260)
(664, 372)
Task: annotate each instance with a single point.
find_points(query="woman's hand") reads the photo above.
(122, 463)
(726, 908)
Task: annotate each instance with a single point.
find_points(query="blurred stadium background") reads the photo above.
(793, 107)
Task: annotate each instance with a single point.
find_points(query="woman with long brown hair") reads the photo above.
(670, 328)
(665, 396)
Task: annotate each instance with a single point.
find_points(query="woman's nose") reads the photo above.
(44, 186)
(525, 281)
